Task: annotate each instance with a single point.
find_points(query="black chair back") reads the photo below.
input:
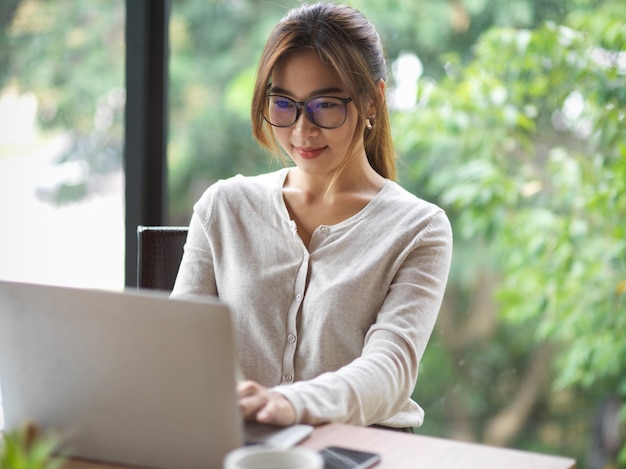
(159, 252)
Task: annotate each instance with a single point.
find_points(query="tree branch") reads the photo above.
(502, 429)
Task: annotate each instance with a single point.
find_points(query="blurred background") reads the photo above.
(510, 114)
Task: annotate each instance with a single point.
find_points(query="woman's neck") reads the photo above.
(356, 178)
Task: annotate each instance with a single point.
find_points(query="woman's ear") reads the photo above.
(371, 110)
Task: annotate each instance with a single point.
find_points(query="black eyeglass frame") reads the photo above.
(303, 105)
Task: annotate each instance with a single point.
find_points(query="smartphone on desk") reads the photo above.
(336, 457)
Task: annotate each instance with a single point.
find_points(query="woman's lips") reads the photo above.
(309, 153)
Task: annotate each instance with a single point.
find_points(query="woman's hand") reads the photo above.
(258, 404)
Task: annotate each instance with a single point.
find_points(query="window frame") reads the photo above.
(146, 117)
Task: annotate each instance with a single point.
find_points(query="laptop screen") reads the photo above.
(130, 377)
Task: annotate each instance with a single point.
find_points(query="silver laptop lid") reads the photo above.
(133, 377)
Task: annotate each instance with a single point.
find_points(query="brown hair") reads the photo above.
(349, 43)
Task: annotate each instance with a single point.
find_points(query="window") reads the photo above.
(61, 139)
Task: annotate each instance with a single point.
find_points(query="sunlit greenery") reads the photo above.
(70, 56)
(533, 127)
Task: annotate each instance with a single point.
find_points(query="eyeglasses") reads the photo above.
(327, 112)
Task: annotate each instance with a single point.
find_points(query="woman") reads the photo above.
(334, 273)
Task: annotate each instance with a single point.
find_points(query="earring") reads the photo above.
(368, 124)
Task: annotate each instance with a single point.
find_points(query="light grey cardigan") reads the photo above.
(339, 328)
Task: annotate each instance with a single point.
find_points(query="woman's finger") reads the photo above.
(252, 398)
(248, 388)
(277, 411)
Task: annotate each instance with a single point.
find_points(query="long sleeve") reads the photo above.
(196, 275)
(339, 327)
(379, 383)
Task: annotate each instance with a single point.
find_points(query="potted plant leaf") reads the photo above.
(27, 448)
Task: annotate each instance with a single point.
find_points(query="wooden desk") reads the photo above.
(405, 451)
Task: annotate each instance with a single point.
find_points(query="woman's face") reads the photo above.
(317, 151)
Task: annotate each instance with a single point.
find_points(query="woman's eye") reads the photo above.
(282, 103)
(326, 104)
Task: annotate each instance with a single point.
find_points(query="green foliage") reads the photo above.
(432, 27)
(212, 67)
(525, 147)
(215, 47)
(49, 49)
(22, 449)
(77, 77)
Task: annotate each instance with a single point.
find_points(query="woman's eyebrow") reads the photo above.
(320, 92)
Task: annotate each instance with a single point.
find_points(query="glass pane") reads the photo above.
(61, 139)
(526, 155)
(214, 47)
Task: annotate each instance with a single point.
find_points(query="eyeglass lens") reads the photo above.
(326, 112)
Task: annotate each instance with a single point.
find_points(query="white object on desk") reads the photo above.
(259, 457)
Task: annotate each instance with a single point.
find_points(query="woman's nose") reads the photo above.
(303, 125)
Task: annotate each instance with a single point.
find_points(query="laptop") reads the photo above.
(132, 377)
